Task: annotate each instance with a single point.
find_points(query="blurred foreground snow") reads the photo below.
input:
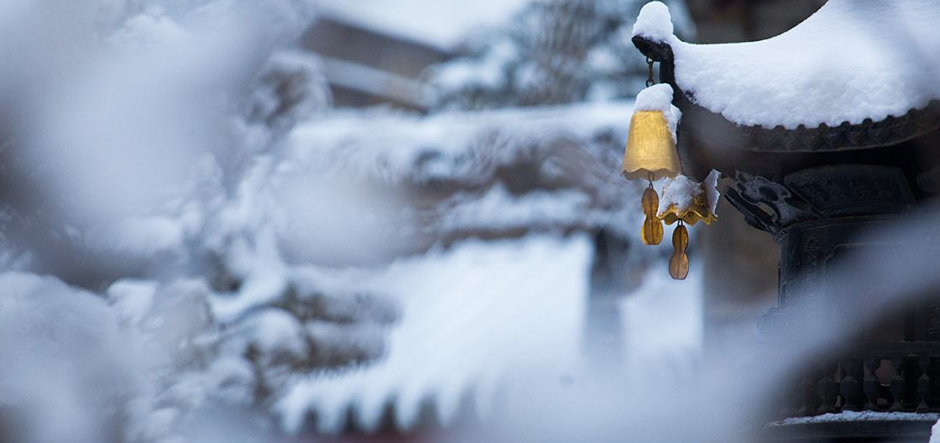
(188, 232)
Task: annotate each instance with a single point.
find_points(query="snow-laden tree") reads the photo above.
(552, 52)
(150, 221)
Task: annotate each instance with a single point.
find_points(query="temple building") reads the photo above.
(827, 138)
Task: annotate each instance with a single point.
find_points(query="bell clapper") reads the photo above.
(652, 233)
(679, 263)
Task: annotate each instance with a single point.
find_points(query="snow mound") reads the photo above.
(681, 191)
(654, 22)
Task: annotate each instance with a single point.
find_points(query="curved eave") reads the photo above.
(718, 131)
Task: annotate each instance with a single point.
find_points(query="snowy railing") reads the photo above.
(887, 377)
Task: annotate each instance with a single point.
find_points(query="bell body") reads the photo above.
(651, 150)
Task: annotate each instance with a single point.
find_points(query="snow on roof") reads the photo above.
(470, 315)
(468, 150)
(438, 23)
(391, 145)
(498, 209)
(852, 60)
(481, 315)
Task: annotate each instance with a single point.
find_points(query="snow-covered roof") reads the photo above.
(376, 82)
(395, 142)
(852, 61)
(480, 310)
(517, 311)
(463, 155)
(438, 23)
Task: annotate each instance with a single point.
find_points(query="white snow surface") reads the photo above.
(850, 61)
(659, 98)
(859, 416)
(482, 310)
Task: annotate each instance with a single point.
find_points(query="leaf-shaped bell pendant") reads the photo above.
(679, 262)
(652, 226)
(686, 202)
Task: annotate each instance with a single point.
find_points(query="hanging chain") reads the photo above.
(649, 78)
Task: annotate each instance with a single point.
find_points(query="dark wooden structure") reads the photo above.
(815, 190)
(366, 67)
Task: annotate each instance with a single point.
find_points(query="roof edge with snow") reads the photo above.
(731, 98)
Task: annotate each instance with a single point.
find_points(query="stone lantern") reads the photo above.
(826, 133)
